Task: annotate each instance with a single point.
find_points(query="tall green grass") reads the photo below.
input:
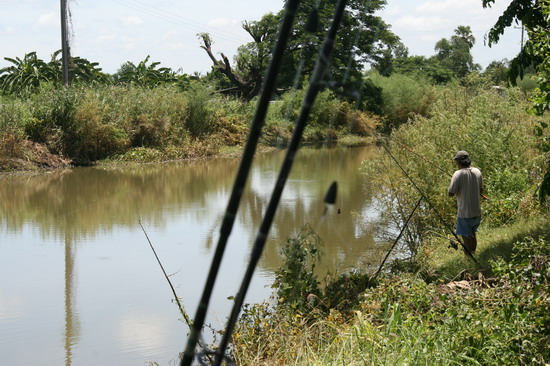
(129, 122)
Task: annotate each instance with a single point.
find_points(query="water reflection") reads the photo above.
(95, 213)
(72, 328)
(82, 202)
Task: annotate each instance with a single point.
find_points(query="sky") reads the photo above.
(112, 32)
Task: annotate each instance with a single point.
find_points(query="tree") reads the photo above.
(455, 53)
(452, 59)
(534, 15)
(531, 15)
(80, 70)
(363, 38)
(497, 71)
(419, 66)
(28, 73)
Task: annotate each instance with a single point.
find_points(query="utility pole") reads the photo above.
(64, 44)
(522, 33)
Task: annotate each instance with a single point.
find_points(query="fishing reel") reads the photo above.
(452, 244)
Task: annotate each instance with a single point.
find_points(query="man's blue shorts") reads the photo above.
(467, 226)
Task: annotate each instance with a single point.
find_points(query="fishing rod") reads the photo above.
(241, 178)
(443, 221)
(261, 237)
(397, 239)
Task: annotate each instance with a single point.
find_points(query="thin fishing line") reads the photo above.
(446, 172)
(241, 178)
(182, 310)
(313, 89)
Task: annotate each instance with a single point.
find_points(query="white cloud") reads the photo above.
(420, 23)
(174, 45)
(392, 10)
(130, 43)
(222, 22)
(47, 20)
(171, 34)
(449, 6)
(130, 21)
(7, 30)
(105, 37)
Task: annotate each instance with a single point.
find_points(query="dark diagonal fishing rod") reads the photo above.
(307, 104)
(240, 180)
(398, 237)
(443, 221)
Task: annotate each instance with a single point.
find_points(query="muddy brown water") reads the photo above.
(79, 284)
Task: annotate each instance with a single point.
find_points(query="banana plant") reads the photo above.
(80, 70)
(145, 75)
(24, 74)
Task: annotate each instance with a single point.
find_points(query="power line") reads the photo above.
(180, 20)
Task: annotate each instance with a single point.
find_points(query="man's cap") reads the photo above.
(461, 155)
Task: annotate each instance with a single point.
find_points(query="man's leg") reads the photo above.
(470, 242)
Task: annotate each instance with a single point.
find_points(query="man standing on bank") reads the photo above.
(467, 186)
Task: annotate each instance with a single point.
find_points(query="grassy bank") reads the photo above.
(82, 125)
(498, 316)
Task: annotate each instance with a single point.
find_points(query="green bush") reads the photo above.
(200, 121)
(14, 115)
(405, 321)
(53, 122)
(403, 97)
(295, 281)
(327, 111)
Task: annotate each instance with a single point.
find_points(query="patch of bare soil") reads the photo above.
(32, 156)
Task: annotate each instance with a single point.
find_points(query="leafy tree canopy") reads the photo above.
(530, 14)
(452, 59)
(455, 53)
(144, 74)
(363, 38)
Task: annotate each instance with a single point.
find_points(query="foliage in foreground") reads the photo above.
(405, 321)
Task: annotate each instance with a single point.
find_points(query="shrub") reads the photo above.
(403, 97)
(53, 121)
(295, 281)
(405, 321)
(200, 119)
(327, 111)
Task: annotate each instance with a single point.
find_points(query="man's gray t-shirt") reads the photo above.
(467, 185)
